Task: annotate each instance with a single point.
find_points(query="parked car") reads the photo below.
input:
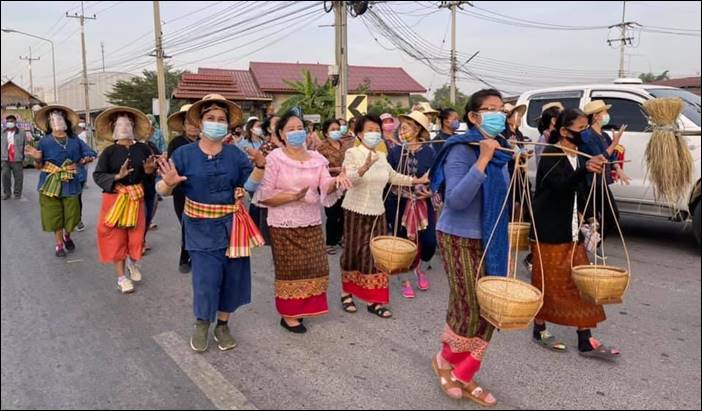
(626, 97)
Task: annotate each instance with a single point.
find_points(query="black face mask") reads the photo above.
(576, 137)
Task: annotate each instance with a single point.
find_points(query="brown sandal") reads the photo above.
(477, 394)
(446, 382)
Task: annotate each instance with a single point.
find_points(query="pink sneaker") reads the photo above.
(422, 280)
(407, 290)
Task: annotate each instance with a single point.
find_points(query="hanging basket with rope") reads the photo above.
(393, 254)
(506, 302)
(598, 282)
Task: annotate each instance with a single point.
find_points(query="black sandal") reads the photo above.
(298, 329)
(379, 311)
(348, 304)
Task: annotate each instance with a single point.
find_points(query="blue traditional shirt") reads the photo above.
(56, 153)
(210, 181)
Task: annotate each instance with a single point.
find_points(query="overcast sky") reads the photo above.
(512, 57)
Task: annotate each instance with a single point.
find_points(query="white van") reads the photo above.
(626, 97)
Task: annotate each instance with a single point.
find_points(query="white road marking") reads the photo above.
(211, 382)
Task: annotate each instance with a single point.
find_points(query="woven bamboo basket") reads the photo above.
(519, 236)
(601, 284)
(393, 255)
(507, 303)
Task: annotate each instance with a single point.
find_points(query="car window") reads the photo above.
(626, 111)
(692, 109)
(569, 99)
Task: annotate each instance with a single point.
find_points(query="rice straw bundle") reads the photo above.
(669, 161)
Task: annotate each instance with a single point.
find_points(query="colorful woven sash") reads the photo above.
(56, 176)
(415, 218)
(125, 210)
(618, 155)
(245, 234)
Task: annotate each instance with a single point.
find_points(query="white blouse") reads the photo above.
(366, 195)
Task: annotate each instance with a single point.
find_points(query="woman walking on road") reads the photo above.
(561, 191)
(218, 231)
(121, 172)
(295, 184)
(369, 172)
(58, 156)
(474, 184)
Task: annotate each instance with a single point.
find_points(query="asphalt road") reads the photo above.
(70, 340)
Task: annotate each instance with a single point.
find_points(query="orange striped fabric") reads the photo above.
(245, 235)
(125, 210)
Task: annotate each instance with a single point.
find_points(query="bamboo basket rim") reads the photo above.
(538, 294)
(600, 267)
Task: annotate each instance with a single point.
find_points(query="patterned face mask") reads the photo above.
(124, 129)
(57, 122)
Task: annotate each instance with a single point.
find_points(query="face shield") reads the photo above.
(123, 128)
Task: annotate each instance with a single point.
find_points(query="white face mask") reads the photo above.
(257, 131)
(10, 124)
(124, 129)
(81, 125)
(57, 122)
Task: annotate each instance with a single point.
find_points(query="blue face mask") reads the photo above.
(344, 129)
(335, 135)
(372, 139)
(493, 123)
(455, 124)
(214, 131)
(296, 138)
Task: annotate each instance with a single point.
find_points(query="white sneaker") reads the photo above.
(125, 286)
(80, 227)
(134, 273)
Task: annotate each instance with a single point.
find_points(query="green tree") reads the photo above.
(138, 91)
(650, 77)
(384, 105)
(310, 96)
(417, 98)
(442, 99)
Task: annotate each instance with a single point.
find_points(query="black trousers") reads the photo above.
(179, 206)
(335, 223)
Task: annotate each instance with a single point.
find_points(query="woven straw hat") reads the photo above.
(104, 122)
(420, 119)
(195, 112)
(41, 117)
(176, 122)
(595, 106)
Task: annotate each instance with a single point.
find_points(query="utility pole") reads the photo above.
(102, 50)
(53, 56)
(342, 61)
(82, 18)
(623, 40)
(29, 60)
(453, 5)
(161, 75)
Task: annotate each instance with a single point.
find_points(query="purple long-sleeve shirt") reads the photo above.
(463, 196)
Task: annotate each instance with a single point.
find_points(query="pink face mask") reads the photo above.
(389, 127)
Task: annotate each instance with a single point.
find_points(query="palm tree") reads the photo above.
(310, 96)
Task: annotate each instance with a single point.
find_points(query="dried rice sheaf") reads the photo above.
(668, 159)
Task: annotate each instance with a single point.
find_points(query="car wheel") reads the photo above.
(696, 223)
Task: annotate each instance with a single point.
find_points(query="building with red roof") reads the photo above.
(263, 87)
(691, 84)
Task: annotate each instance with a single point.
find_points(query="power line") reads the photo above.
(213, 42)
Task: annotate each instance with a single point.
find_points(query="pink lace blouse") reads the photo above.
(283, 174)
